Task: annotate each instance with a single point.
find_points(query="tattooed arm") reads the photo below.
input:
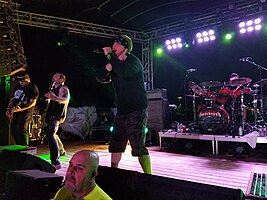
(63, 95)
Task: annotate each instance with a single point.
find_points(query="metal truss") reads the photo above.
(12, 58)
(214, 18)
(85, 28)
(147, 61)
(73, 26)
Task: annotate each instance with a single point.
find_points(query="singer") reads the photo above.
(127, 77)
(21, 106)
(56, 114)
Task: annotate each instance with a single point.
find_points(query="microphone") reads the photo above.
(245, 59)
(99, 51)
(191, 70)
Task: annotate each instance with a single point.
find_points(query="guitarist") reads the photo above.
(56, 113)
(20, 108)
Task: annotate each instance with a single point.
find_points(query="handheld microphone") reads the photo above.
(97, 50)
(245, 59)
(191, 70)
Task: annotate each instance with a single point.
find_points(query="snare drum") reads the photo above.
(213, 119)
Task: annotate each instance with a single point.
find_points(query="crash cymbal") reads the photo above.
(262, 82)
(211, 83)
(240, 81)
(195, 87)
(192, 95)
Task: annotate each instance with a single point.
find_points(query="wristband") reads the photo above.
(109, 56)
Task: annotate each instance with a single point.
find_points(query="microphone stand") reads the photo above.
(260, 68)
(185, 90)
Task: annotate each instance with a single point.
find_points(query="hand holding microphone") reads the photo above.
(107, 50)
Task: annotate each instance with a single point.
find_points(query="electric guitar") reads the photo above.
(11, 110)
(44, 125)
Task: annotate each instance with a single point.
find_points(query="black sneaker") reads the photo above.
(58, 166)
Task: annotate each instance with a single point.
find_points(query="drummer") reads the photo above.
(235, 105)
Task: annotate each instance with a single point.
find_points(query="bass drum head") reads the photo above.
(213, 119)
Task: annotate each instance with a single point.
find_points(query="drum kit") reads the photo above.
(224, 109)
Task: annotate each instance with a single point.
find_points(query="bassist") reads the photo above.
(21, 107)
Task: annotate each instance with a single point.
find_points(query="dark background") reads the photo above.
(213, 61)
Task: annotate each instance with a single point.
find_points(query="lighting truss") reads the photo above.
(12, 57)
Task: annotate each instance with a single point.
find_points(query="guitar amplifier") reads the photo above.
(157, 94)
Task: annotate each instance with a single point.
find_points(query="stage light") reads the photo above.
(186, 45)
(250, 25)
(228, 36)
(60, 44)
(205, 36)
(146, 130)
(159, 50)
(111, 129)
(174, 43)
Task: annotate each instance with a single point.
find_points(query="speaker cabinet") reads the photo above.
(158, 115)
(133, 185)
(12, 160)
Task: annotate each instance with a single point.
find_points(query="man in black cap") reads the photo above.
(21, 106)
(127, 78)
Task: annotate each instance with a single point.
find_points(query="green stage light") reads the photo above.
(59, 44)
(228, 36)
(186, 45)
(111, 129)
(159, 51)
(146, 130)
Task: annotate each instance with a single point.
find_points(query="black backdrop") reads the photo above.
(77, 60)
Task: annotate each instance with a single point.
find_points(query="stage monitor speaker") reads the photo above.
(131, 185)
(32, 185)
(12, 160)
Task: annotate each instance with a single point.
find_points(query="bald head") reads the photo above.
(88, 157)
(81, 173)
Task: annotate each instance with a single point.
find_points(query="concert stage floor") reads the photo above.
(218, 170)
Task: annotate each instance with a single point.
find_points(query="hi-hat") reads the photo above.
(195, 87)
(240, 81)
(262, 82)
(211, 83)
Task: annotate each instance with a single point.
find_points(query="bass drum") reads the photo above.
(213, 119)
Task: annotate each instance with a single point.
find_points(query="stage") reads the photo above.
(217, 170)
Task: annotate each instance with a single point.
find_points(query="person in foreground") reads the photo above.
(127, 77)
(21, 107)
(58, 96)
(80, 178)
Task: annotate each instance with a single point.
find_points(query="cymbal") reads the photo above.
(211, 83)
(240, 81)
(192, 95)
(262, 81)
(195, 87)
